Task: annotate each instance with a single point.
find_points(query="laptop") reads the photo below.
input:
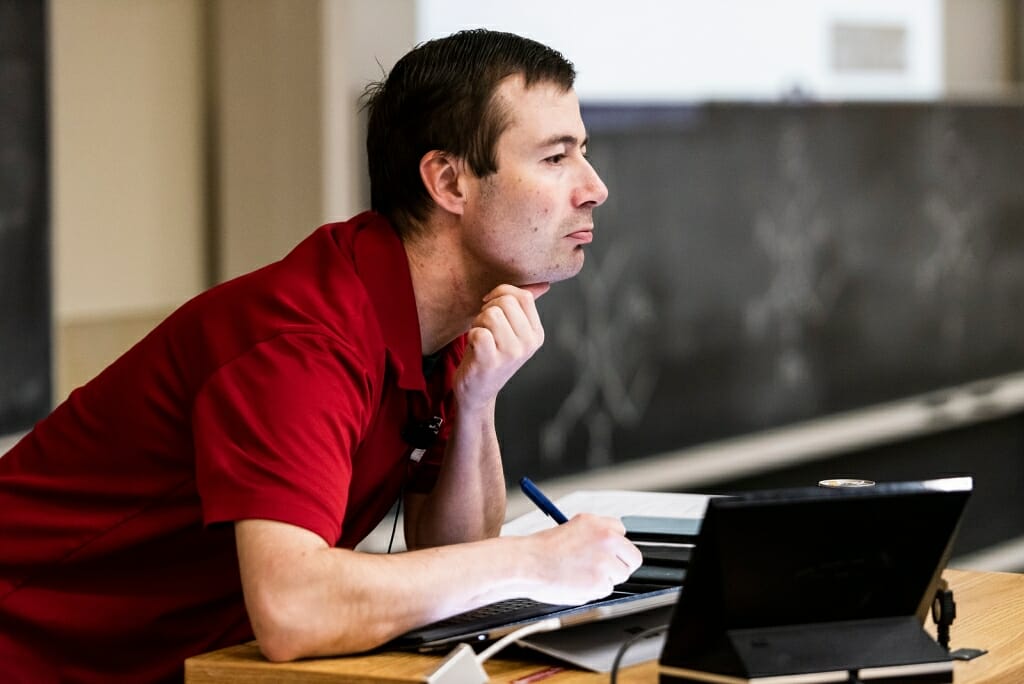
(813, 584)
(495, 620)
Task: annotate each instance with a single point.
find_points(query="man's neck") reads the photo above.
(447, 301)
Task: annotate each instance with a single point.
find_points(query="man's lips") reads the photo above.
(583, 237)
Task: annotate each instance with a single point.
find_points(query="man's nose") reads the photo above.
(592, 191)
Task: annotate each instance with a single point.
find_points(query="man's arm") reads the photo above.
(468, 501)
(305, 598)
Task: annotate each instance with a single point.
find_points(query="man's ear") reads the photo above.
(442, 176)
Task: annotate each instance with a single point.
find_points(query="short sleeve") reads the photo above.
(275, 430)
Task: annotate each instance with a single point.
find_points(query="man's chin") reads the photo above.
(570, 270)
(560, 275)
(553, 274)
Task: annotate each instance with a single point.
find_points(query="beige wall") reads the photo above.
(266, 84)
(128, 190)
(979, 43)
(287, 77)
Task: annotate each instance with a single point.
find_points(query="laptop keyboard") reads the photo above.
(502, 611)
(512, 610)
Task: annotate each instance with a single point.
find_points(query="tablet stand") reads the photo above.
(879, 649)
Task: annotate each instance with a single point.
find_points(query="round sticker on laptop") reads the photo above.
(846, 482)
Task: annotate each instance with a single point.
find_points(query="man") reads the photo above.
(210, 485)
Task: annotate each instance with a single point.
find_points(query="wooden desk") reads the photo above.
(990, 615)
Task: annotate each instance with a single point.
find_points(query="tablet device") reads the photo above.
(811, 583)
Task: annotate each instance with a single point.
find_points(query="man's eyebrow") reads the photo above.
(570, 140)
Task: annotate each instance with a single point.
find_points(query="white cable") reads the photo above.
(547, 625)
(463, 666)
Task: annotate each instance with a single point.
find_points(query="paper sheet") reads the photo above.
(612, 502)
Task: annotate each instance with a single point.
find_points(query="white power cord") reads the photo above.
(464, 666)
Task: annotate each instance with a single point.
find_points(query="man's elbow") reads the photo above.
(281, 630)
(279, 640)
(278, 650)
(282, 646)
(285, 634)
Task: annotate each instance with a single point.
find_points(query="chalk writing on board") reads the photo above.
(613, 373)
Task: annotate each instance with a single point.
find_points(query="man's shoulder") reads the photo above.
(368, 223)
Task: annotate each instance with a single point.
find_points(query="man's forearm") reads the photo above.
(307, 599)
(468, 500)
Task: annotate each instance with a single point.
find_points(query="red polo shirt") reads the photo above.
(280, 395)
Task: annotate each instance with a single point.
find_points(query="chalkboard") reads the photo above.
(25, 386)
(757, 265)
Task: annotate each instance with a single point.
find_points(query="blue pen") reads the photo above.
(543, 502)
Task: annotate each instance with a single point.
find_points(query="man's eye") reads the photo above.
(555, 159)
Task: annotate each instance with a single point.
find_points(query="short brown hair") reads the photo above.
(439, 96)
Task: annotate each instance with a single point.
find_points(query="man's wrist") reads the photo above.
(480, 411)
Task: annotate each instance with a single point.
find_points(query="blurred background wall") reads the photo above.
(190, 141)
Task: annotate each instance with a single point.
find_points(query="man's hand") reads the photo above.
(503, 336)
(583, 559)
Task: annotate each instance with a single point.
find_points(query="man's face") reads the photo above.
(529, 221)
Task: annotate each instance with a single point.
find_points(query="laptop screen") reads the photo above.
(815, 555)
